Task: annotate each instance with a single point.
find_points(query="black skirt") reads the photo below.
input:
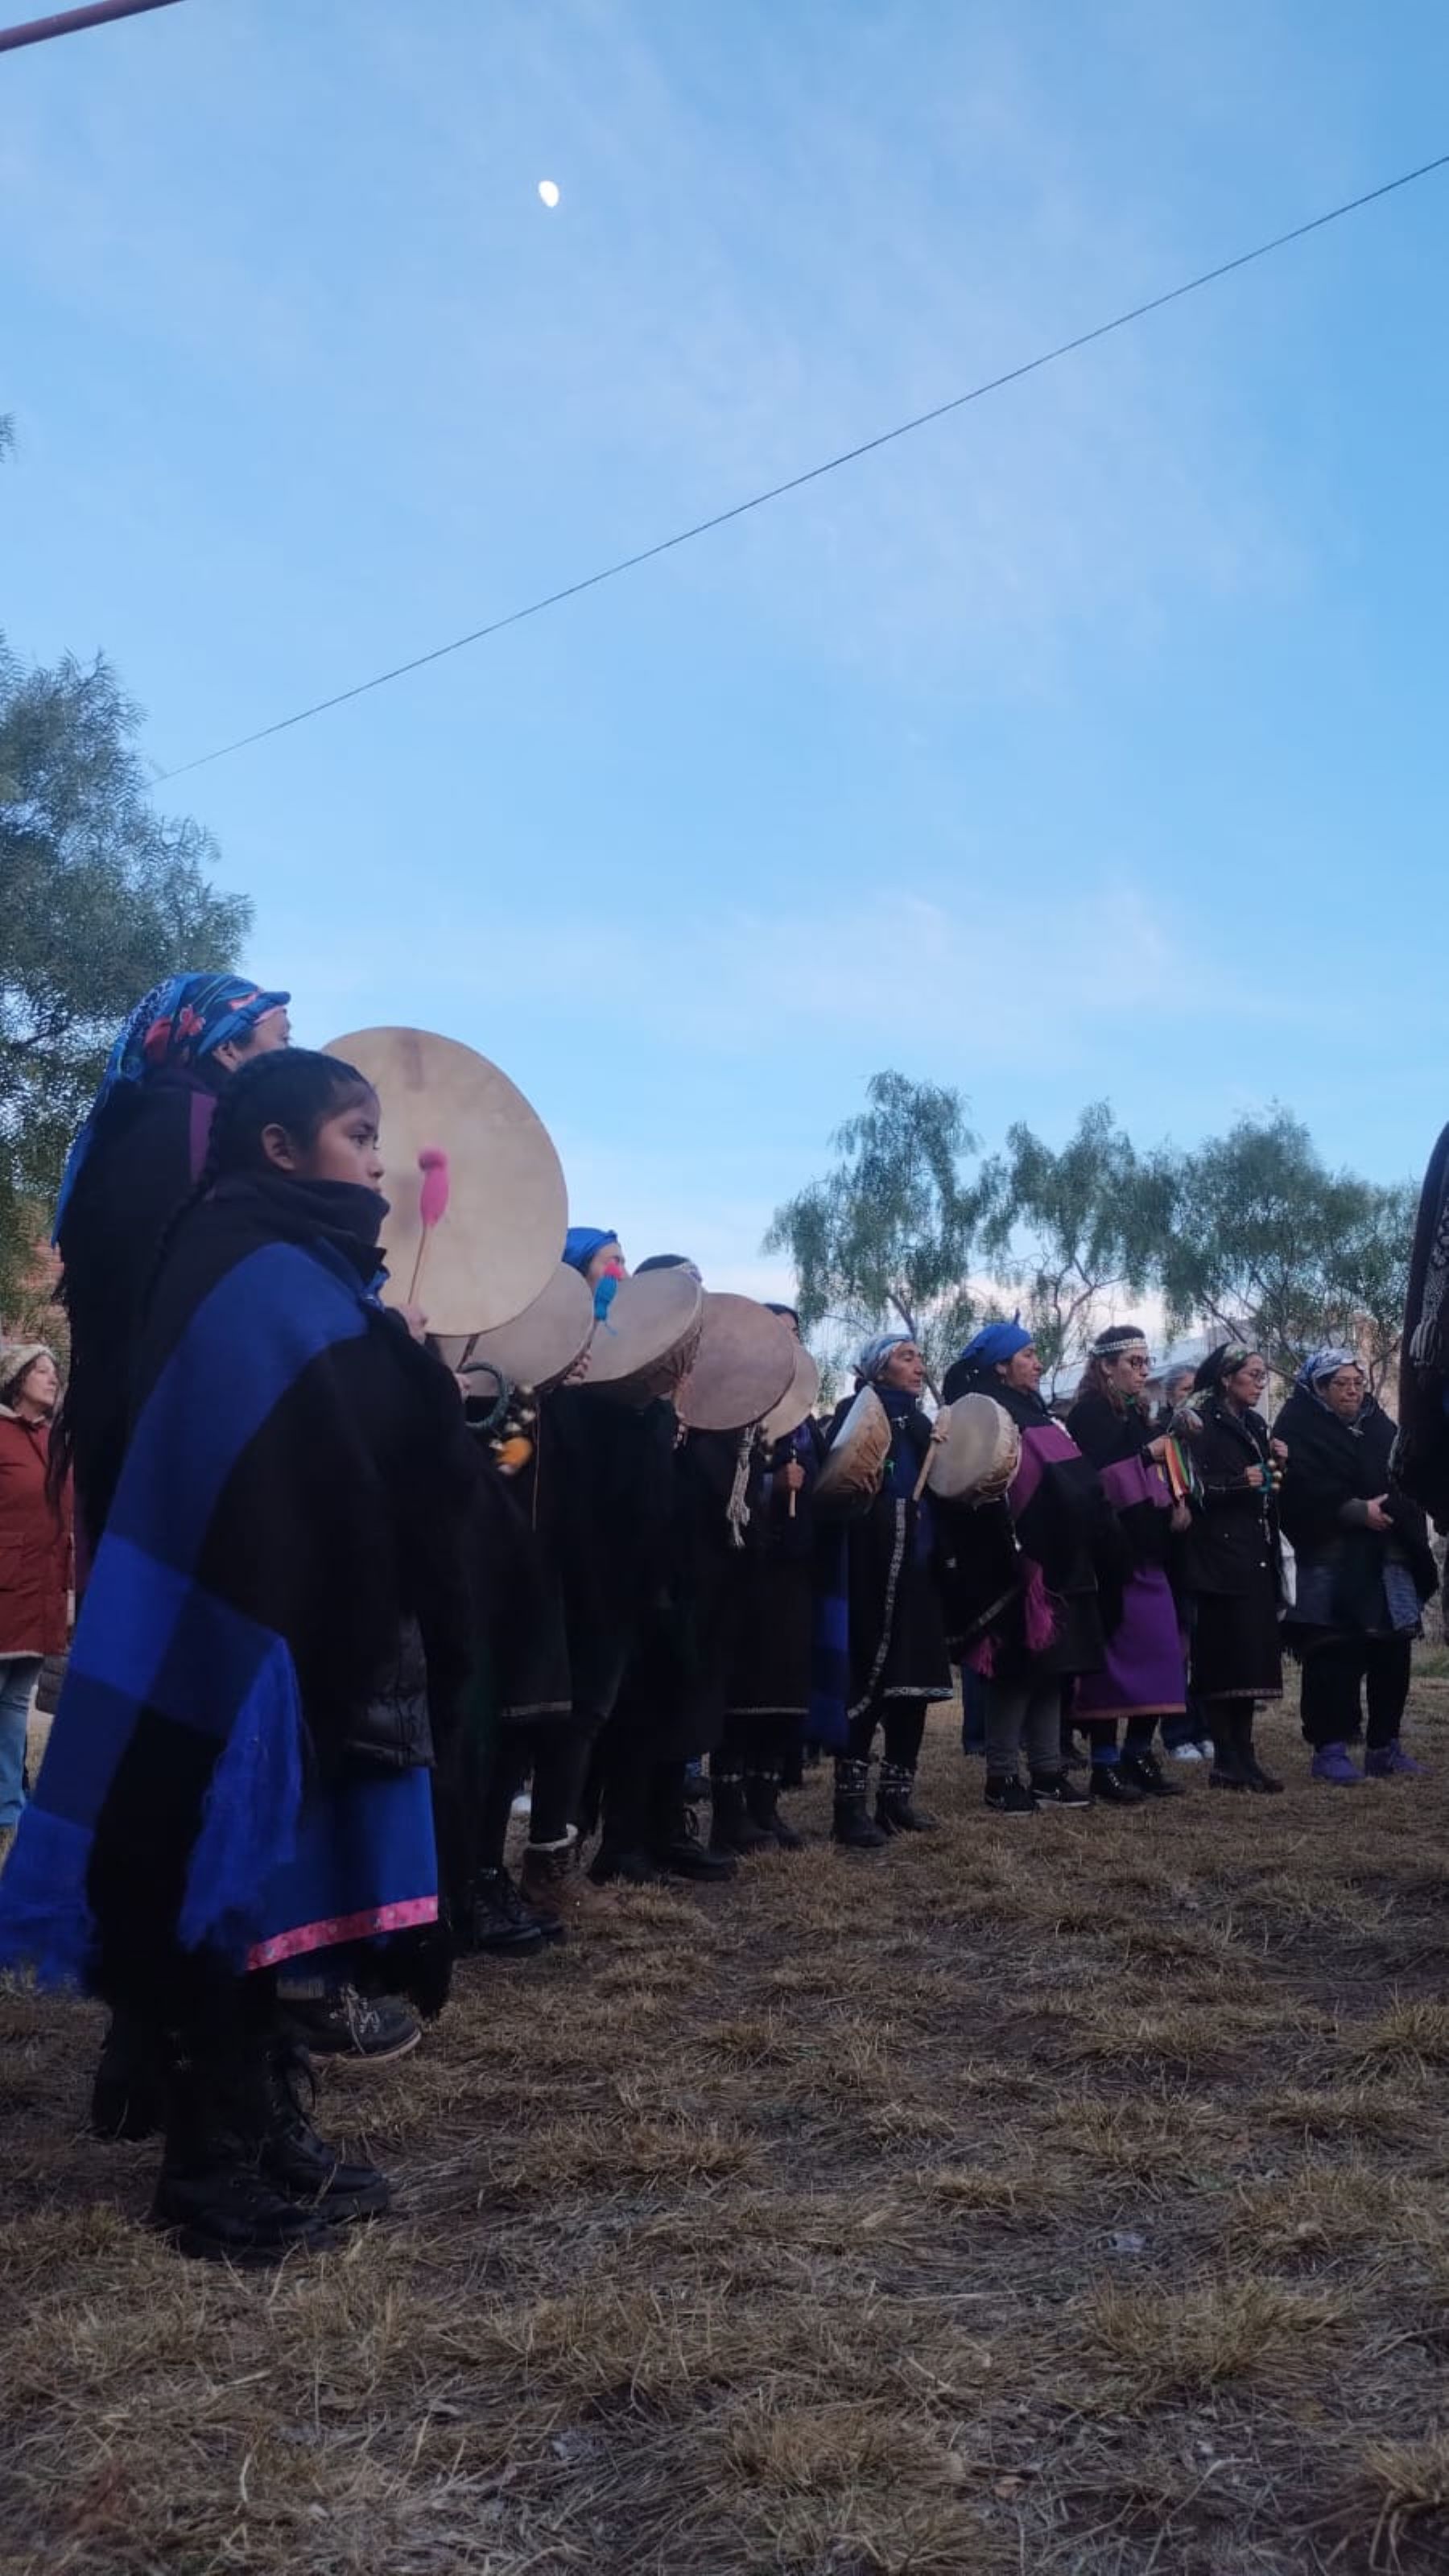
(1237, 1649)
(770, 1665)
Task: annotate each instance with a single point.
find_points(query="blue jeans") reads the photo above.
(18, 1677)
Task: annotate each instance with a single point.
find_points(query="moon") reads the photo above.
(548, 190)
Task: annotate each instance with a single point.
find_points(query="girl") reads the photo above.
(237, 1775)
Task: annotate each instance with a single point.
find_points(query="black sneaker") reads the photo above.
(353, 2025)
(1111, 1786)
(1150, 1777)
(1009, 1798)
(1055, 1789)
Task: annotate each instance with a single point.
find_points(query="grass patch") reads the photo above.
(1065, 2200)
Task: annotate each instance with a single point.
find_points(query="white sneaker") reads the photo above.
(1188, 1753)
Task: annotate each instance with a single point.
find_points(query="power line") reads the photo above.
(813, 473)
(68, 22)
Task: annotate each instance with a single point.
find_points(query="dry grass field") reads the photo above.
(1071, 2195)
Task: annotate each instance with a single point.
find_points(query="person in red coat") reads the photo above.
(35, 1557)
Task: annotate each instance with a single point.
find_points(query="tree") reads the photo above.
(1066, 1229)
(1271, 1244)
(102, 897)
(885, 1238)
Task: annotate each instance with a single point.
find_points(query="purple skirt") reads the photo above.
(1144, 1673)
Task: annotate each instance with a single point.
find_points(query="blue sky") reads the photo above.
(1089, 743)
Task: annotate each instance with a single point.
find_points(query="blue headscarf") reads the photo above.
(180, 1022)
(580, 1245)
(995, 1344)
(1325, 1363)
(875, 1354)
(582, 1242)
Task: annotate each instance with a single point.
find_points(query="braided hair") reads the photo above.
(292, 1088)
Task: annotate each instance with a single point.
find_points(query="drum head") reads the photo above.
(497, 1246)
(797, 1400)
(541, 1345)
(745, 1361)
(861, 1446)
(980, 1453)
(650, 1320)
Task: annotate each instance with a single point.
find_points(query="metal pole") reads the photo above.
(66, 22)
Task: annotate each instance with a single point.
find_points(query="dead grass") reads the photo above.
(1065, 2200)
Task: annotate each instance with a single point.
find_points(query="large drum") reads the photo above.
(797, 1401)
(745, 1361)
(495, 1246)
(857, 1457)
(975, 1451)
(646, 1343)
(540, 1346)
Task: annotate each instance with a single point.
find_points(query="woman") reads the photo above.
(769, 1684)
(882, 1602)
(1364, 1569)
(1186, 1738)
(1232, 1565)
(1142, 1678)
(139, 1151)
(238, 1772)
(1031, 1578)
(35, 1567)
(669, 1504)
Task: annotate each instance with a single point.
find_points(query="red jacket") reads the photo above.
(35, 1562)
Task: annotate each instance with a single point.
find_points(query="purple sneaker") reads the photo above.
(1331, 1762)
(1390, 1761)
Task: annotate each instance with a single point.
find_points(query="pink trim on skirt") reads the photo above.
(370, 1925)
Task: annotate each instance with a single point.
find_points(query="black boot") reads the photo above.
(732, 1827)
(895, 1809)
(1149, 1775)
(1111, 1789)
(852, 1826)
(762, 1791)
(498, 1924)
(291, 2155)
(675, 1847)
(212, 2198)
(624, 1865)
(1229, 1770)
(1261, 1782)
(128, 2097)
